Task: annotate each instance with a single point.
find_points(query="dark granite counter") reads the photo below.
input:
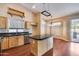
(8, 34)
(41, 37)
(40, 44)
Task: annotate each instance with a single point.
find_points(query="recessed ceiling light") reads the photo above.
(34, 6)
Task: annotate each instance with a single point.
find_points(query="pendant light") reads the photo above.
(45, 11)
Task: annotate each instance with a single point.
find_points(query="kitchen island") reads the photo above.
(41, 44)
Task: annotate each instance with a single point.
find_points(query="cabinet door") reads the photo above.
(25, 25)
(3, 22)
(50, 43)
(20, 40)
(5, 43)
(13, 41)
(42, 47)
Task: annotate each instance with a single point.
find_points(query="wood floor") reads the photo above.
(49, 53)
(23, 51)
(65, 48)
(19, 51)
(60, 48)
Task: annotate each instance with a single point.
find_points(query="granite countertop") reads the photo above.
(6, 34)
(40, 37)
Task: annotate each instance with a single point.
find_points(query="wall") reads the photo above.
(36, 20)
(48, 28)
(64, 29)
(3, 13)
(44, 25)
(4, 8)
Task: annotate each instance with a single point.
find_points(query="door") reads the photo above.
(74, 31)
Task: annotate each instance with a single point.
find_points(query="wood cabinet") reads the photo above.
(34, 47)
(20, 40)
(3, 22)
(5, 43)
(40, 47)
(13, 41)
(25, 25)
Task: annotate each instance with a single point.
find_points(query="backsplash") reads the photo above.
(13, 30)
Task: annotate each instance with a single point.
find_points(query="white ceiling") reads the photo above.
(56, 9)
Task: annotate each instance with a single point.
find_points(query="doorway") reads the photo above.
(74, 30)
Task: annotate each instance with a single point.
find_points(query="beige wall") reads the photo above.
(64, 29)
(3, 13)
(42, 25)
(4, 9)
(43, 22)
(28, 16)
(36, 19)
(15, 6)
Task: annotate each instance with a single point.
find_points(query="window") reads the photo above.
(15, 22)
(57, 28)
(43, 27)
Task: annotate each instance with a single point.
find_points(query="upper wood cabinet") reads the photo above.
(15, 18)
(3, 22)
(15, 12)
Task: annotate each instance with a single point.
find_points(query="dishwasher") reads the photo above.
(26, 39)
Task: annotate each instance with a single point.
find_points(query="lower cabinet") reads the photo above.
(5, 43)
(20, 40)
(50, 43)
(14, 41)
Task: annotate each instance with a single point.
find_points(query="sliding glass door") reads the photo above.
(74, 31)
